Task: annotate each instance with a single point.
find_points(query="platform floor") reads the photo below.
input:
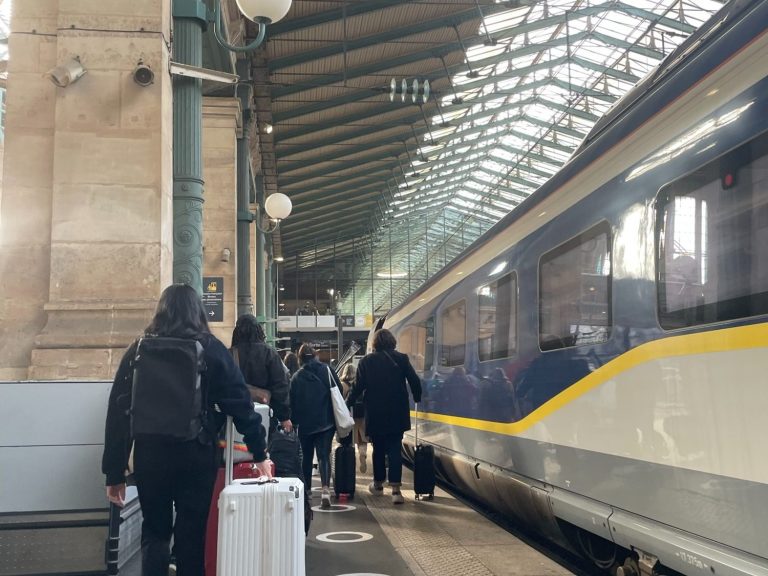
(370, 536)
(441, 537)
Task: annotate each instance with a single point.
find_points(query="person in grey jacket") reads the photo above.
(381, 377)
(312, 412)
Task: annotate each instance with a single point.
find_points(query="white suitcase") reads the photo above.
(261, 525)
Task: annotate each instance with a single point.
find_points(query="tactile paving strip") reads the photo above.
(412, 527)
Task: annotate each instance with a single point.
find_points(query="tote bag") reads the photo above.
(344, 420)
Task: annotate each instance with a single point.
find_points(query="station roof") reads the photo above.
(377, 165)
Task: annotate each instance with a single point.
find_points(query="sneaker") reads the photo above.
(325, 500)
(172, 569)
(363, 464)
(376, 488)
(397, 498)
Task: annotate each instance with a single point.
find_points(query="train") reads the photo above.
(595, 365)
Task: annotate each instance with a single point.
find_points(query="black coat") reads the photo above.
(311, 408)
(382, 378)
(223, 385)
(261, 366)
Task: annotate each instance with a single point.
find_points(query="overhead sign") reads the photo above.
(213, 298)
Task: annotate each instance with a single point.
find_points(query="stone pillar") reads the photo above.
(221, 123)
(25, 212)
(87, 209)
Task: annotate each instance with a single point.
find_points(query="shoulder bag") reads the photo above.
(341, 415)
(260, 395)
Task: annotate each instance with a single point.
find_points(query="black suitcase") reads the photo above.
(344, 477)
(424, 471)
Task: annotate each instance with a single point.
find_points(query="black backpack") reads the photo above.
(167, 397)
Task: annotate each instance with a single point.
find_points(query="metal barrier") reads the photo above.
(54, 516)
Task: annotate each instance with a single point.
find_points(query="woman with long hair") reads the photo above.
(262, 368)
(312, 413)
(358, 413)
(291, 362)
(381, 382)
(178, 474)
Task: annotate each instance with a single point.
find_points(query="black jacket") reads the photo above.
(261, 366)
(381, 377)
(223, 385)
(311, 408)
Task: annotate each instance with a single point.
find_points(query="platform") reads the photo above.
(370, 536)
(442, 537)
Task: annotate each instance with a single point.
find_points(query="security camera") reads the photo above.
(67, 73)
(143, 75)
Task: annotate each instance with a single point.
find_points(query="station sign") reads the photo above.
(213, 298)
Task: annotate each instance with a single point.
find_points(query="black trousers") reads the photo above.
(168, 474)
(388, 446)
(319, 443)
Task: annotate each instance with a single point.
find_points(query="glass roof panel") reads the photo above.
(557, 66)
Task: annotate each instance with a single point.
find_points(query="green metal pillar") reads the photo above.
(261, 312)
(270, 295)
(189, 21)
(244, 297)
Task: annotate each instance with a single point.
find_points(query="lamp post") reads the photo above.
(276, 208)
(189, 20)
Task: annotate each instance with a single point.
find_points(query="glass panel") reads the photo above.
(453, 334)
(575, 299)
(713, 229)
(497, 319)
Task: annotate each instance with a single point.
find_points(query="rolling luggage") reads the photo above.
(344, 475)
(285, 453)
(261, 525)
(423, 468)
(242, 471)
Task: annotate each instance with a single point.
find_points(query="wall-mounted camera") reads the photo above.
(143, 75)
(67, 73)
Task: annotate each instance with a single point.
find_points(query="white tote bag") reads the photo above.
(344, 420)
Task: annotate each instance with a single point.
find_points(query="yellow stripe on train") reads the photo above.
(739, 338)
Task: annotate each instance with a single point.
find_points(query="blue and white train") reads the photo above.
(596, 365)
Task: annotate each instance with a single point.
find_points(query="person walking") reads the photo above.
(171, 472)
(312, 413)
(358, 413)
(381, 382)
(291, 362)
(262, 368)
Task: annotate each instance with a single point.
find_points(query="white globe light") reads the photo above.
(278, 206)
(264, 10)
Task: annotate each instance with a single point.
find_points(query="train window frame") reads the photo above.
(590, 233)
(462, 301)
(511, 353)
(723, 180)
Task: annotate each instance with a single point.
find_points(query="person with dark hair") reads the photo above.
(262, 368)
(381, 377)
(178, 473)
(312, 412)
(291, 362)
(358, 413)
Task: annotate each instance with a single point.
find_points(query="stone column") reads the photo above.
(221, 123)
(88, 219)
(25, 212)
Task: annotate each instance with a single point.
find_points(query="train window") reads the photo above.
(575, 291)
(453, 334)
(497, 318)
(712, 229)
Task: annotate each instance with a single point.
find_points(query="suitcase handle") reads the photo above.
(229, 451)
(416, 424)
